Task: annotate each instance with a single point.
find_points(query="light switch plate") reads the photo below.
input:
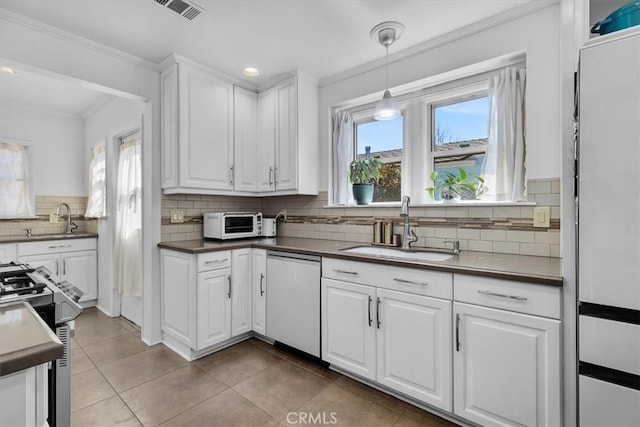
(542, 216)
(177, 216)
(53, 219)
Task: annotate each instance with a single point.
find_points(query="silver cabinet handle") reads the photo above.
(494, 294)
(275, 176)
(64, 267)
(59, 246)
(231, 172)
(229, 293)
(261, 279)
(457, 331)
(216, 261)
(369, 306)
(378, 312)
(410, 282)
(270, 176)
(353, 273)
(57, 267)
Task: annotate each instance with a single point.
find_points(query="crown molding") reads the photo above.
(76, 39)
(493, 21)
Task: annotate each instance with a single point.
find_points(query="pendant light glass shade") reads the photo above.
(387, 108)
(385, 34)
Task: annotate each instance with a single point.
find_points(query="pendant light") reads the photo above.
(385, 34)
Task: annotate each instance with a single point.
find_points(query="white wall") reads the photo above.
(538, 34)
(55, 144)
(28, 43)
(104, 126)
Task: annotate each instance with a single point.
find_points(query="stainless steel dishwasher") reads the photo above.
(293, 300)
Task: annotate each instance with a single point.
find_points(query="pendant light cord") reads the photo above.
(387, 67)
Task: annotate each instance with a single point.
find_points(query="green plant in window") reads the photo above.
(452, 185)
(365, 171)
(475, 188)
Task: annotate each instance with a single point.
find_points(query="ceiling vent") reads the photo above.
(186, 9)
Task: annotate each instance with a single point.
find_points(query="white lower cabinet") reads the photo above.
(506, 367)
(259, 291)
(24, 397)
(213, 308)
(206, 299)
(397, 339)
(73, 260)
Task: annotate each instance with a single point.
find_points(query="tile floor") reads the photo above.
(118, 380)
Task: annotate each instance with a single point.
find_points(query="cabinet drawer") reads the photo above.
(521, 297)
(412, 280)
(214, 260)
(56, 246)
(597, 334)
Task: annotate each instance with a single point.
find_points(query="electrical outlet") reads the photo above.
(177, 216)
(542, 216)
(53, 219)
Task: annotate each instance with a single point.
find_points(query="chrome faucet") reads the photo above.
(408, 236)
(70, 226)
(456, 245)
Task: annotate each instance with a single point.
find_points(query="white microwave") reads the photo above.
(232, 225)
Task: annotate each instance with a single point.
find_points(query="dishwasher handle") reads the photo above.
(292, 256)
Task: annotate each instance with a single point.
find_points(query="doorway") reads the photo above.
(127, 255)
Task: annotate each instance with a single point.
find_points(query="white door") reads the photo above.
(80, 269)
(349, 327)
(259, 283)
(266, 140)
(286, 173)
(245, 133)
(50, 262)
(128, 226)
(240, 291)
(414, 346)
(206, 131)
(506, 367)
(213, 307)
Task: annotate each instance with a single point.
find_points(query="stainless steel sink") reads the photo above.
(411, 255)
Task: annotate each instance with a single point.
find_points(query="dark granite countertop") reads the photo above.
(525, 268)
(25, 340)
(41, 237)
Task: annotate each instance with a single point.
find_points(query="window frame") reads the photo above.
(418, 155)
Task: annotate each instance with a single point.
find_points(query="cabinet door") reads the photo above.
(7, 252)
(50, 262)
(348, 327)
(414, 346)
(206, 131)
(259, 296)
(286, 173)
(506, 367)
(245, 132)
(240, 291)
(80, 269)
(213, 300)
(266, 151)
(177, 276)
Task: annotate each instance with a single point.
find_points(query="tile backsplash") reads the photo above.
(46, 205)
(501, 229)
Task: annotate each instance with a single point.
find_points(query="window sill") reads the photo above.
(461, 203)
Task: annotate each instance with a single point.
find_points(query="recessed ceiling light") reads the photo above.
(251, 71)
(8, 70)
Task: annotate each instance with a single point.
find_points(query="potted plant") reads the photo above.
(474, 189)
(363, 174)
(449, 186)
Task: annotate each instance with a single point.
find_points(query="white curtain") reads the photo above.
(506, 161)
(96, 203)
(15, 197)
(342, 157)
(128, 237)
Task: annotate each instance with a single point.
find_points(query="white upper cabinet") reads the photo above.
(245, 123)
(288, 137)
(197, 139)
(218, 138)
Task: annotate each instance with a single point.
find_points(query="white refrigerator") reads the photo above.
(608, 225)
